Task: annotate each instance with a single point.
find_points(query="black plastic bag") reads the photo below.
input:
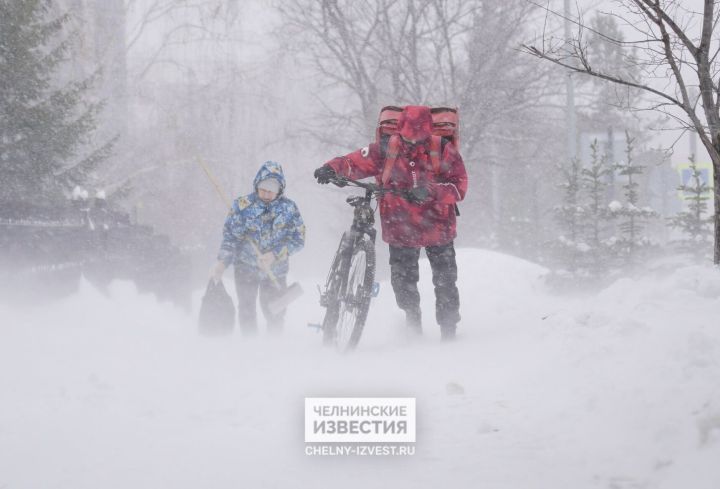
(217, 311)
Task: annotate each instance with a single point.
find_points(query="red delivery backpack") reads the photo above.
(446, 124)
(446, 129)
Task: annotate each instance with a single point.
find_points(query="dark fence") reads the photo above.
(45, 250)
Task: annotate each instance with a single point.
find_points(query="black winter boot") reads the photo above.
(447, 332)
(413, 320)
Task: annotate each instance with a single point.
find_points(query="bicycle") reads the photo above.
(350, 283)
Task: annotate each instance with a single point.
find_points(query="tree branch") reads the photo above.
(586, 69)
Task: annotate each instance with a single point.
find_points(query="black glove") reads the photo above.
(418, 195)
(324, 174)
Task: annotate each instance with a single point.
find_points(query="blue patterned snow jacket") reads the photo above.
(276, 226)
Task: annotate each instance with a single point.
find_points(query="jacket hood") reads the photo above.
(270, 169)
(415, 123)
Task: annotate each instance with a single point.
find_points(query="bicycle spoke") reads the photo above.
(352, 299)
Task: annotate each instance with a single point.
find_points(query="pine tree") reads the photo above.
(595, 180)
(45, 127)
(695, 223)
(570, 216)
(633, 218)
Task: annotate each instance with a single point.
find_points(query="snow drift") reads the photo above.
(617, 389)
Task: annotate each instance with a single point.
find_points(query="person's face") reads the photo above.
(266, 195)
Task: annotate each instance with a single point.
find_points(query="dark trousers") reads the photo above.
(247, 285)
(405, 274)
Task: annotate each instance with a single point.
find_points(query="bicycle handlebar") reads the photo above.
(341, 181)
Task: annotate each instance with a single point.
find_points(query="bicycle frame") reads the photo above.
(350, 284)
(363, 215)
(363, 222)
(336, 297)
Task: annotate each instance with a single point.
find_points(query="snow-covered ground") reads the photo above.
(616, 390)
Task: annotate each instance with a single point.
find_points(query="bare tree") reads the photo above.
(370, 53)
(415, 51)
(676, 50)
(129, 39)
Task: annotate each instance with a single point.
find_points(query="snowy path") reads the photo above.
(621, 390)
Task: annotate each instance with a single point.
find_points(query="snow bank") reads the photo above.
(618, 389)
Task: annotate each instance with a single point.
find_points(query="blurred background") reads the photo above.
(104, 176)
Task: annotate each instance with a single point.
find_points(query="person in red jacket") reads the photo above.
(426, 219)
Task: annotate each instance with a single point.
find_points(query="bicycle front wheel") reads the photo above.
(348, 306)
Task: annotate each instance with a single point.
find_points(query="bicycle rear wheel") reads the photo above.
(348, 294)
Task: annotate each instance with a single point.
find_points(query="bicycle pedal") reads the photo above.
(375, 289)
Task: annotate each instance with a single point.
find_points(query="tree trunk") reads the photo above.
(716, 192)
(712, 145)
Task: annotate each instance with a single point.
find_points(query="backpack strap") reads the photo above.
(391, 156)
(435, 153)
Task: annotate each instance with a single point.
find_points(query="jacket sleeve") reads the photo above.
(451, 183)
(293, 239)
(363, 163)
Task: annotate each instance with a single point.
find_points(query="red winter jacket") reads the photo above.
(431, 223)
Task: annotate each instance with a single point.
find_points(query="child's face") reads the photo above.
(266, 195)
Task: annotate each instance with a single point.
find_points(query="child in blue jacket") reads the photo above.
(263, 229)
